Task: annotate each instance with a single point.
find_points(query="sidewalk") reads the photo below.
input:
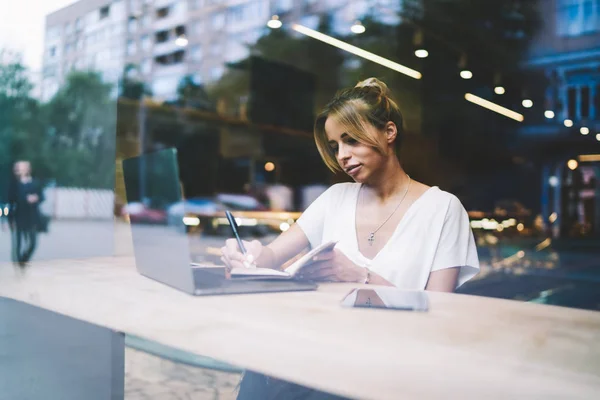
(150, 377)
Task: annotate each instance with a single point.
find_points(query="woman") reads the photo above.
(391, 230)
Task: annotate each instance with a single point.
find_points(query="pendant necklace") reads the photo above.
(371, 238)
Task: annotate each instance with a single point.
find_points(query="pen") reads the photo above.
(234, 228)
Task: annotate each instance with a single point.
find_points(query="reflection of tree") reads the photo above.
(81, 126)
(21, 122)
(70, 139)
(19, 112)
(193, 95)
(130, 87)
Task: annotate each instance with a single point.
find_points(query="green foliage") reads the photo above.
(131, 87)
(71, 139)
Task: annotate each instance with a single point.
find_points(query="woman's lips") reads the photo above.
(353, 170)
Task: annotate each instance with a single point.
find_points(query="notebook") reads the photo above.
(288, 273)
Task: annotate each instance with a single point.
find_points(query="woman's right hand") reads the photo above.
(232, 257)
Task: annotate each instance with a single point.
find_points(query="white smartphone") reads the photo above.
(388, 299)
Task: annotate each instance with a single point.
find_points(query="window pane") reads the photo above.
(585, 102)
(571, 103)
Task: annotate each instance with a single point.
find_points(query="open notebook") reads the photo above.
(290, 272)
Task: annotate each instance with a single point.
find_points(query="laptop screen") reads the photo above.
(154, 197)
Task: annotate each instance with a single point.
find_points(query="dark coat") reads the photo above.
(23, 214)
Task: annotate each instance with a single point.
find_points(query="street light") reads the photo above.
(568, 123)
(499, 90)
(527, 103)
(572, 164)
(274, 22)
(584, 130)
(549, 114)
(598, 137)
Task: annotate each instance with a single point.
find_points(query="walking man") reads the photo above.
(25, 196)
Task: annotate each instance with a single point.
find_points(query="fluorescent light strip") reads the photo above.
(357, 51)
(589, 157)
(494, 107)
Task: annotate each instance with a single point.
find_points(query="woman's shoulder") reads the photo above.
(440, 199)
(343, 189)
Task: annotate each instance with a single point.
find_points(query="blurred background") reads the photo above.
(501, 100)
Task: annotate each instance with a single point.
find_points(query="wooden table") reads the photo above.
(464, 347)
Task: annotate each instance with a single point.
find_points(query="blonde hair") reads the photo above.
(366, 103)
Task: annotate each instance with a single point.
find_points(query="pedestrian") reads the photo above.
(24, 198)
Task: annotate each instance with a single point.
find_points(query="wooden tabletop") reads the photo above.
(464, 347)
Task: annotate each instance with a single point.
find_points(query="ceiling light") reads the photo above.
(357, 51)
(357, 27)
(494, 107)
(274, 22)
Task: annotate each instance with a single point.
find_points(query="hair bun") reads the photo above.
(373, 84)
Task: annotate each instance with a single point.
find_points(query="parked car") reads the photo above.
(139, 213)
(207, 214)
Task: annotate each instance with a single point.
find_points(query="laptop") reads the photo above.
(160, 241)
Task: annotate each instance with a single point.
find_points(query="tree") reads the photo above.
(81, 127)
(130, 87)
(21, 133)
(193, 95)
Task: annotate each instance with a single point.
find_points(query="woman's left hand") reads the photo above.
(333, 266)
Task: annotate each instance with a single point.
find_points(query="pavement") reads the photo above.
(150, 377)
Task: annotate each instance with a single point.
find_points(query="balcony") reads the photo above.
(169, 70)
(162, 3)
(165, 47)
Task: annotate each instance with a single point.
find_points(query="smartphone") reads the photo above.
(387, 299)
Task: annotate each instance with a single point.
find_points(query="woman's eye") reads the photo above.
(334, 149)
(351, 141)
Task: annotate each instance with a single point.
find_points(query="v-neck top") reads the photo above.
(433, 234)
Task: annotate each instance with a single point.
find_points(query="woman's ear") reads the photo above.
(391, 132)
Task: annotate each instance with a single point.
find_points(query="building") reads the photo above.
(565, 130)
(89, 34)
(161, 41)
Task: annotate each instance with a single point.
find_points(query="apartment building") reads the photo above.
(88, 34)
(160, 41)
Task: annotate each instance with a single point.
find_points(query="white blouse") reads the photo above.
(433, 234)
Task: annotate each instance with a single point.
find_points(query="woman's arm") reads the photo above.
(287, 245)
(443, 280)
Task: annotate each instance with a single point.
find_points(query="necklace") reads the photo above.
(371, 238)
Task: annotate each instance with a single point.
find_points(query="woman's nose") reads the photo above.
(343, 153)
